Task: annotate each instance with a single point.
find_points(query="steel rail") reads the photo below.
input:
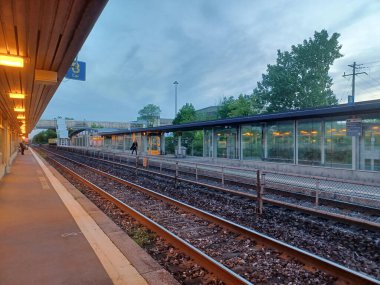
(249, 170)
(343, 273)
(320, 213)
(244, 169)
(218, 269)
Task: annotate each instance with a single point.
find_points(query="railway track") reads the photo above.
(239, 248)
(343, 216)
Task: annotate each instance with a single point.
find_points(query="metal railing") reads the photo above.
(314, 186)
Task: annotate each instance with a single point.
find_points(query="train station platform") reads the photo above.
(50, 233)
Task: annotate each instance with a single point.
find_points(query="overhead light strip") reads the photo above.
(16, 96)
(19, 109)
(11, 60)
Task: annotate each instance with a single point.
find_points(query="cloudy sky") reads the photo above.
(213, 48)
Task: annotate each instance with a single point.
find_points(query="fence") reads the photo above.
(313, 186)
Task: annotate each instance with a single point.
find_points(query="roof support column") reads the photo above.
(240, 139)
(162, 143)
(214, 147)
(355, 156)
(295, 144)
(265, 140)
(323, 139)
(144, 140)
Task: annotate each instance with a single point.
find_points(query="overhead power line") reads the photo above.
(371, 62)
(370, 84)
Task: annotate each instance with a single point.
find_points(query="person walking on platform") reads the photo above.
(134, 147)
(22, 148)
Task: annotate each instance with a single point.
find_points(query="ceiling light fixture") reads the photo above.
(11, 60)
(21, 117)
(16, 95)
(19, 109)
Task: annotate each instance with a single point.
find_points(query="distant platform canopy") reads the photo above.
(342, 136)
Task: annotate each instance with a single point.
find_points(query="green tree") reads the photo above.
(300, 79)
(96, 126)
(44, 136)
(244, 105)
(150, 113)
(192, 140)
(225, 106)
(185, 115)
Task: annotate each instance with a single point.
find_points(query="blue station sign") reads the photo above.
(77, 71)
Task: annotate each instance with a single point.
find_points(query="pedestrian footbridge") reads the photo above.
(82, 124)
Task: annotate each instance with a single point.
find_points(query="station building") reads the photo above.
(345, 137)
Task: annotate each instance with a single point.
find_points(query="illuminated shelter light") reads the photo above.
(11, 60)
(16, 96)
(19, 109)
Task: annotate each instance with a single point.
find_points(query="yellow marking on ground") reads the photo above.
(114, 262)
(44, 183)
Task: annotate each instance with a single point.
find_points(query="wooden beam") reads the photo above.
(46, 77)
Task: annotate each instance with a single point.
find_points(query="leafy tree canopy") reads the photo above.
(244, 105)
(44, 136)
(300, 79)
(96, 126)
(150, 113)
(185, 115)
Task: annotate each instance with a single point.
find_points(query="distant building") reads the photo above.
(154, 123)
(164, 122)
(208, 113)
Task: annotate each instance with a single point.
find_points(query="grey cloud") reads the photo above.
(212, 48)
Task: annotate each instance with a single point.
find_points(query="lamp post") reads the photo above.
(175, 96)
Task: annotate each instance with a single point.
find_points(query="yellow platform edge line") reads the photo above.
(114, 262)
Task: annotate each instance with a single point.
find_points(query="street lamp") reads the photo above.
(175, 96)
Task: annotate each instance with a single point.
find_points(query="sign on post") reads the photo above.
(350, 100)
(77, 71)
(354, 127)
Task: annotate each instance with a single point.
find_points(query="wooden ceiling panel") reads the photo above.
(57, 32)
(46, 24)
(67, 33)
(6, 15)
(19, 12)
(48, 34)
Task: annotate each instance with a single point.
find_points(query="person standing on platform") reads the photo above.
(134, 147)
(22, 148)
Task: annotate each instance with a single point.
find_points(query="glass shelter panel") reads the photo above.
(226, 140)
(309, 142)
(119, 142)
(207, 143)
(128, 141)
(370, 143)
(338, 146)
(107, 142)
(193, 141)
(154, 144)
(170, 143)
(251, 138)
(280, 141)
(138, 138)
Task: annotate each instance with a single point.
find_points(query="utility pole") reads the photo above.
(175, 97)
(354, 73)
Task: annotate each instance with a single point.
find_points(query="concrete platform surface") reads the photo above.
(51, 234)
